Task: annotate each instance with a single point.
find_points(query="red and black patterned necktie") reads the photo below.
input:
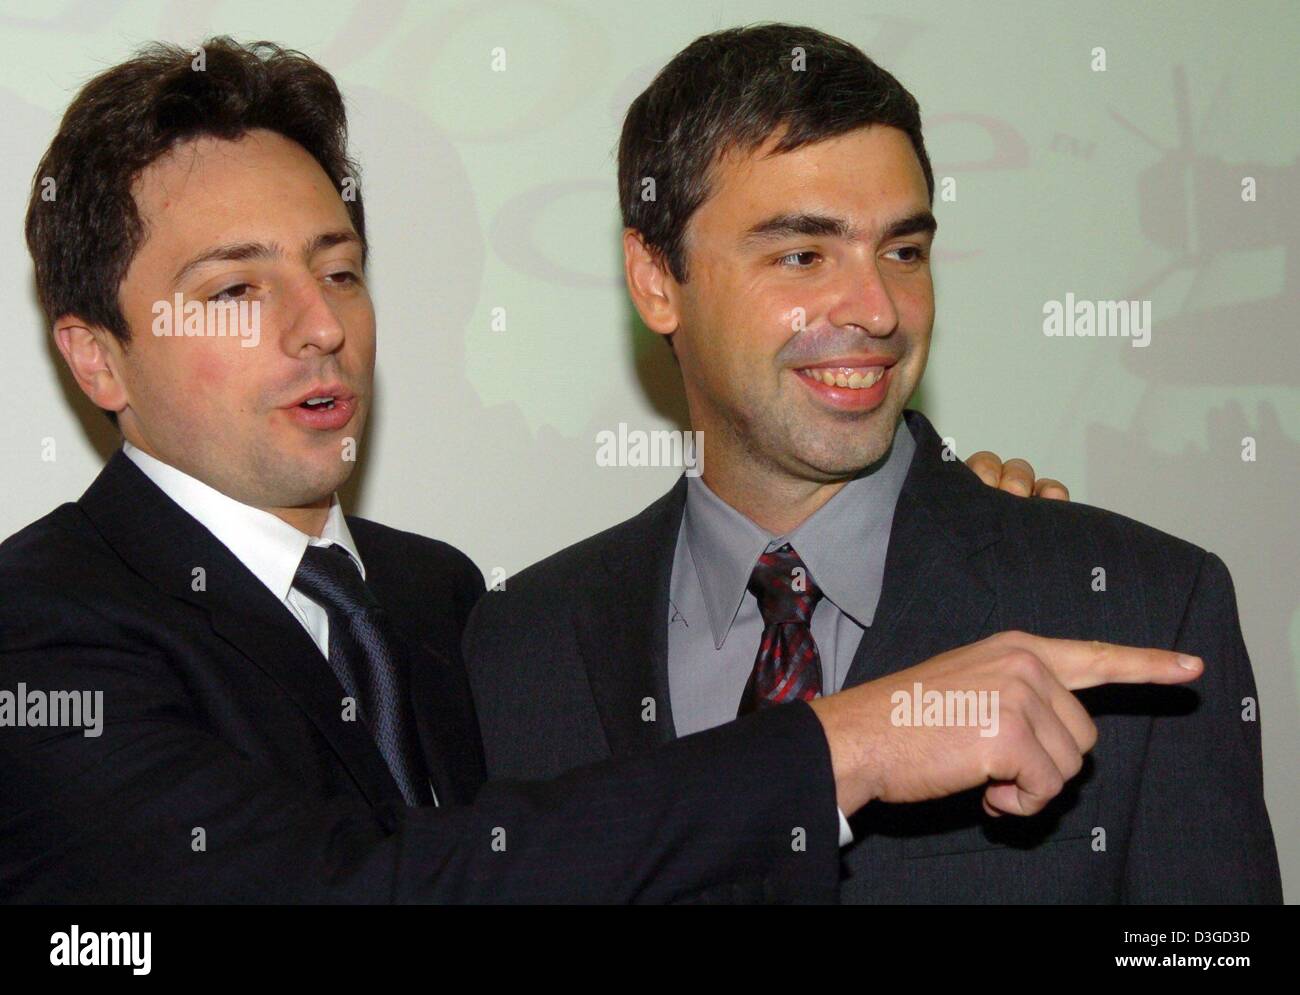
(788, 667)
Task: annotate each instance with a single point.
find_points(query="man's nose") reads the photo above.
(864, 299)
(311, 323)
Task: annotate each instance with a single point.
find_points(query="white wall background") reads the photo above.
(496, 189)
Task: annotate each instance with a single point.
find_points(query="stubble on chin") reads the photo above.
(282, 481)
(847, 444)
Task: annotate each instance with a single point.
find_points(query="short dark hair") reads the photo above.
(82, 240)
(730, 91)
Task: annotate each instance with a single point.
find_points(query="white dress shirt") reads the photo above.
(269, 547)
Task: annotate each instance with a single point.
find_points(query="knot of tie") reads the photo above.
(783, 587)
(329, 576)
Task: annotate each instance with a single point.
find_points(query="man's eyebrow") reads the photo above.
(781, 226)
(239, 251)
(230, 251)
(922, 222)
(825, 226)
(329, 239)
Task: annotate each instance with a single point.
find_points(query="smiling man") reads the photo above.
(280, 710)
(833, 542)
(776, 259)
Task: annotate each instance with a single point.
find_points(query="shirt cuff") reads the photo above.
(846, 834)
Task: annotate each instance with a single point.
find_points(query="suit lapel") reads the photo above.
(936, 594)
(622, 627)
(442, 734)
(166, 546)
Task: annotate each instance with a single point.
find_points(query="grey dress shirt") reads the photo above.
(714, 625)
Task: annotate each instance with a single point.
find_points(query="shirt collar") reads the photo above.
(843, 544)
(268, 546)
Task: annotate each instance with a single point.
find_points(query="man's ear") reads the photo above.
(650, 284)
(94, 356)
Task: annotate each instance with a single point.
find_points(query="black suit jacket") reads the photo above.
(226, 772)
(1169, 806)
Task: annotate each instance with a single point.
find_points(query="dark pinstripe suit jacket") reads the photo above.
(221, 714)
(1169, 806)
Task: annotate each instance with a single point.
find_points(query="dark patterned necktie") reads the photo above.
(363, 655)
(788, 667)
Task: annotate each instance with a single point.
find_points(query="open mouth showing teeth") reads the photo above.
(317, 403)
(855, 378)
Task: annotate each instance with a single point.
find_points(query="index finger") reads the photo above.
(987, 466)
(1079, 663)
